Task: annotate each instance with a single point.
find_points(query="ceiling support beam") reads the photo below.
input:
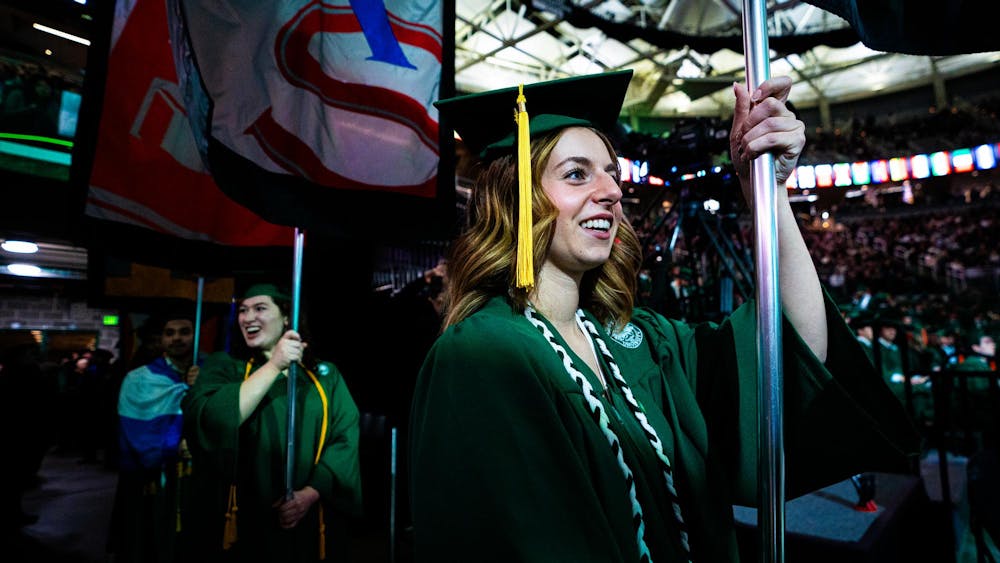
(512, 42)
(940, 92)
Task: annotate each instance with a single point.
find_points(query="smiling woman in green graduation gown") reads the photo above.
(238, 413)
(554, 422)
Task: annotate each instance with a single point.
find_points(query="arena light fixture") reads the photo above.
(985, 159)
(19, 246)
(861, 173)
(824, 175)
(921, 166)
(880, 171)
(792, 182)
(842, 174)
(961, 160)
(940, 163)
(27, 270)
(897, 170)
(807, 177)
(62, 34)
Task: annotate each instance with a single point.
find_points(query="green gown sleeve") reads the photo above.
(337, 476)
(496, 461)
(212, 409)
(840, 418)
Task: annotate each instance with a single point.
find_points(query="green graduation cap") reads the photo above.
(268, 289)
(496, 123)
(889, 316)
(485, 120)
(861, 319)
(943, 331)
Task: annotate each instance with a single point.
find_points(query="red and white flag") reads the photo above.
(147, 169)
(336, 93)
(297, 109)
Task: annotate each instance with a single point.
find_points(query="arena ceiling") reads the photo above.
(685, 53)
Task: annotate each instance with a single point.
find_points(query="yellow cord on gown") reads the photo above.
(525, 250)
(180, 474)
(319, 452)
(229, 533)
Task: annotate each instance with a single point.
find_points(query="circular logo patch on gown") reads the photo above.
(629, 336)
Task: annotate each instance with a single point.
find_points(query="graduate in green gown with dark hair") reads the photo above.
(237, 418)
(977, 408)
(554, 422)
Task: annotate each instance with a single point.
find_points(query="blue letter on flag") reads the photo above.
(385, 48)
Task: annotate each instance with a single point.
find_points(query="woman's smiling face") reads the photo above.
(261, 322)
(581, 179)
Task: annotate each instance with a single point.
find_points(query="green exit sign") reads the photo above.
(110, 320)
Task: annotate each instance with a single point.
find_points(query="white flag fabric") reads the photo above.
(148, 169)
(337, 93)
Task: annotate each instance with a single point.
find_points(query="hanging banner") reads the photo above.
(147, 169)
(317, 105)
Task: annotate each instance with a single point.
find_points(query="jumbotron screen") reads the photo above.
(39, 109)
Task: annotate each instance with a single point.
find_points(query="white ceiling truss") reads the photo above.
(501, 43)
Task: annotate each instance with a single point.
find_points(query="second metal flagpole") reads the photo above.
(293, 369)
(197, 319)
(771, 449)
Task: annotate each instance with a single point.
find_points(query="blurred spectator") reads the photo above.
(981, 352)
(22, 413)
(943, 354)
(863, 331)
(93, 408)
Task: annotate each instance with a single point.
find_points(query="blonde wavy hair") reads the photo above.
(482, 263)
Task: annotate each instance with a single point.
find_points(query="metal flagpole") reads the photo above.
(293, 369)
(197, 319)
(771, 449)
(392, 499)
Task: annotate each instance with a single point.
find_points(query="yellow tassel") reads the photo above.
(525, 250)
(180, 473)
(322, 534)
(229, 533)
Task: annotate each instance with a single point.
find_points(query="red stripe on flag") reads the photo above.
(417, 39)
(295, 156)
(416, 34)
(341, 19)
(300, 68)
(140, 155)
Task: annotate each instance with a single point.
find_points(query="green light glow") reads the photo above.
(28, 151)
(37, 139)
